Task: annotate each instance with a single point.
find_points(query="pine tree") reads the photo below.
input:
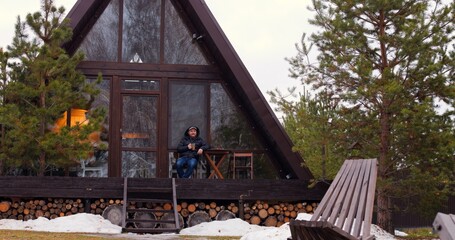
(392, 63)
(311, 123)
(3, 81)
(42, 84)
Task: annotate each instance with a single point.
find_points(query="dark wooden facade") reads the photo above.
(217, 69)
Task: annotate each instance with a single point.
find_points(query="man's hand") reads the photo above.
(199, 152)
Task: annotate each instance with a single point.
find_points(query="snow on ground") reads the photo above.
(81, 222)
(90, 223)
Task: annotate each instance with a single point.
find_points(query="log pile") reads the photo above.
(275, 214)
(212, 208)
(97, 206)
(257, 212)
(33, 209)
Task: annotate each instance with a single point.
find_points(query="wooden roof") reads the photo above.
(242, 86)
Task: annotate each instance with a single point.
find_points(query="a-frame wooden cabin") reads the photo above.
(166, 65)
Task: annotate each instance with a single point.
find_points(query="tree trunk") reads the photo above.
(43, 125)
(384, 217)
(2, 141)
(42, 164)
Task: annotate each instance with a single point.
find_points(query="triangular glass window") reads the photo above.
(101, 43)
(180, 47)
(141, 30)
(228, 127)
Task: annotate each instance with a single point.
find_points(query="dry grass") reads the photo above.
(32, 235)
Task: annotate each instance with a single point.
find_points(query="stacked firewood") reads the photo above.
(32, 209)
(275, 214)
(258, 212)
(97, 206)
(212, 208)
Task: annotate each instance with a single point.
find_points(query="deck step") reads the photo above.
(146, 210)
(149, 190)
(149, 221)
(152, 200)
(151, 230)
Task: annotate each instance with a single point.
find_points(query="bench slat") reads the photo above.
(343, 198)
(350, 204)
(331, 194)
(370, 198)
(326, 216)
(355, 211)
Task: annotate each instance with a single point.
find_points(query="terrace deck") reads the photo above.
(198, 189)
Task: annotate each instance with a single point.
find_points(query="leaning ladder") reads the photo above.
(149, 195)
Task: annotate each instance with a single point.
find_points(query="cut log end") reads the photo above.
(5, 206)
(198, 217)
(113, 213)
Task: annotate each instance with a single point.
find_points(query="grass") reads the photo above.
(413, 233)
(419, 233)
(33, 235)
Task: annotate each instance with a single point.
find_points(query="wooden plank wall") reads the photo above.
(198, 189)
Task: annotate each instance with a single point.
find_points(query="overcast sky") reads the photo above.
(263, 32)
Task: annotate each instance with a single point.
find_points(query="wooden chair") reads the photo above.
(346, 210)
(241, 165)
(84, 168)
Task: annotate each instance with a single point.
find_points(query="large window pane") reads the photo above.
(101, 43)
(141, 31)
(97, 164)
(230, 130)
(179, 45)
(228, 127)
(187, 107)
(139, 123)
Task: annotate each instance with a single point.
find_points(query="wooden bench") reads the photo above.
(444, 226)
(346, 210)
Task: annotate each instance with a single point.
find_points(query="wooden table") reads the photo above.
(216, 157)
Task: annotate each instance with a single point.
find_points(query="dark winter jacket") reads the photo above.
(183, 149)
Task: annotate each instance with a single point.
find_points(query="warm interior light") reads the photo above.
(78, 117)
(135, 135)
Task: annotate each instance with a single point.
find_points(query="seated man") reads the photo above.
(190, 148)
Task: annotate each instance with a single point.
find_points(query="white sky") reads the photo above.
(263, 32)
(89, 223)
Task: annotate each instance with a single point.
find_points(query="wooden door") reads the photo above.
(139, 129)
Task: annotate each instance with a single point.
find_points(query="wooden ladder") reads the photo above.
(149, 195)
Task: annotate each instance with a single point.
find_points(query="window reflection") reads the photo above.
(97, 164)
(139, 124)
(228, 127)
(138, 164)
(179, 46)
(188, 106)
(138, 84)
(141, 30)
(101, 43)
